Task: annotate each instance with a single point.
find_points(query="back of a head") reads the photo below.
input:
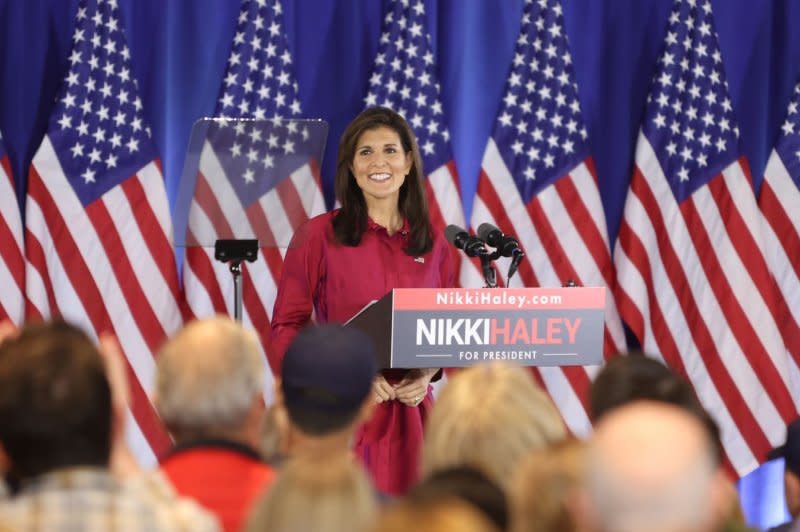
(209, 375)
(545, 486)
(468, 485)
(633, 377)
(55, 400)
(489, 417)
(637, 377)
(433, 516)
(326, 376)
(651, 466)
(324, 494)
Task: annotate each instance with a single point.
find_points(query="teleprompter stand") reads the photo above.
(233, 252)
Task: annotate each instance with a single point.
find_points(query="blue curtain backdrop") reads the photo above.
(179, 49)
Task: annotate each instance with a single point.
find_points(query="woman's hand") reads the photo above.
(414, 386)
(382, 390)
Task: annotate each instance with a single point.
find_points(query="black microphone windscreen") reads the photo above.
(454, 232)
(490, 234)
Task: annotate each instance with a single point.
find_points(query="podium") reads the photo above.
(433, 327)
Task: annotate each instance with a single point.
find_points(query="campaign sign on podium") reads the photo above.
(432, 328)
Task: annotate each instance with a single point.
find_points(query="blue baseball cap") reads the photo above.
(328, 368)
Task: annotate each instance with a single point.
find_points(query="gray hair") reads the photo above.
(208, 376)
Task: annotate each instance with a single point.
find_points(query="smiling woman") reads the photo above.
(380, 167)
(380, 239)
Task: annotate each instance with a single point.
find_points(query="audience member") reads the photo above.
(57, 424)
(324, 389)
(634, 377)
(651, 466)
(790, 452)
(317, 493)
(433, 516)
(489, 417)
(468, 485)
(7, 330)
(209, 393)
(275, 426)
(545, 488)
(627, 378)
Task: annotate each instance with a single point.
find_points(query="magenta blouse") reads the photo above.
(336, 281)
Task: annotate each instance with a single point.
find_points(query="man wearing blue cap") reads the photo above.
(324, 388)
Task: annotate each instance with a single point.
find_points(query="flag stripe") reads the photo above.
(572, 401)
(156, 240)
(748, 248)
(207, 199)
(651, 214)
(784, 230)
(547, 262)
(11, 231)
(12, 263)
(268, 214)
(201, 274)
(68, 250)
(550, 242)
(779, 197)
(503, 211)
(146, 320)
(40, 299)
(730, 292)
(573, 193)
(660, 341)
(758, 279)
(534, 229)
(289, 197)
(707, 372)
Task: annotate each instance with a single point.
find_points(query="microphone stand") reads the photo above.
(475, 247)
(516, 260)
(489, 273)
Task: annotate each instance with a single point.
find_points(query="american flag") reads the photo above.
(780, 204)
(404, 78)
(12, 262)
(245, 184)
(693, 282)
(98, 226)
(538, 183)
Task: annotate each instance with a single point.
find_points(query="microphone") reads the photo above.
(473, 247)
(506, 245)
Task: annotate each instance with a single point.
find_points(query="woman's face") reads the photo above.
(380, 165)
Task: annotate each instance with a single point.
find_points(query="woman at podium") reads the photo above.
(381, 238)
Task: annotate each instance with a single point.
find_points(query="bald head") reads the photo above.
(209, 376)
(651, 466)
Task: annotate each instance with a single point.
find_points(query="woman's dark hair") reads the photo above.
(351, 221)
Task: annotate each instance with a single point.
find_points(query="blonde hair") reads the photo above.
(324, 494)
(489, 417)
(545, 485)
(433, 516)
